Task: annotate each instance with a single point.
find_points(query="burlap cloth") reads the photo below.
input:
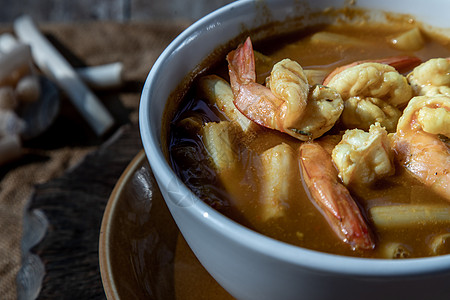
(66, 144)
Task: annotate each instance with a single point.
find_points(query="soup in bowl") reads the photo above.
(288, 137)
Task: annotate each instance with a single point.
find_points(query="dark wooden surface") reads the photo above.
(74, 205)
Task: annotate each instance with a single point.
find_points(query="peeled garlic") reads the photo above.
(7, 42)
(28, 89)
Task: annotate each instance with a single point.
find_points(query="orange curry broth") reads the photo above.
(303, 225)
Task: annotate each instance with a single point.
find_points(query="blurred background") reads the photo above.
(113, 10)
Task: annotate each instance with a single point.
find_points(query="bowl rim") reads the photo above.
(318, 261)
(106, 233)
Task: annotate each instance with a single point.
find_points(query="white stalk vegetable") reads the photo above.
(102, 76)
(279, 169)
(218, 138)
(411, 40)
(408, 215)
(219, 92)
(55, 66)
(337, 39)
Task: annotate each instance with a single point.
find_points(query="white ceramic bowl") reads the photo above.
(247, 264)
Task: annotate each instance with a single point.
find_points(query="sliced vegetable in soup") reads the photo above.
(334, 138)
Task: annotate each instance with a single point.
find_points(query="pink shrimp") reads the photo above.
(254, 100)
(333, 198)
(373, 91)
(402, 64)
(431, 78)
(418, 146)
(283, 104)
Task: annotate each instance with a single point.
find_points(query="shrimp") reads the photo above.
(362, 157)
(401, 63)
(332, 198)
(324, 108)
(417, 143)
(283, 103)
(431, 78)
(366, 82)
(363, 112)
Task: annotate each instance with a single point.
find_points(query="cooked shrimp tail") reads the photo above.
(253, 100)
(242, 61)
(333, 198)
